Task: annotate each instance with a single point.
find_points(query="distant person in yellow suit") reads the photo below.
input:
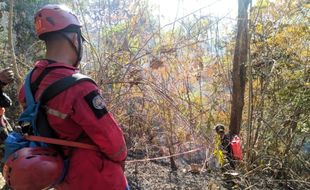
(222, 148)
(218, 152)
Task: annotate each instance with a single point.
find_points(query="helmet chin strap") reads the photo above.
(78, 50)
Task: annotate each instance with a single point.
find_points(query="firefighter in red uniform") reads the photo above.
(78, 113)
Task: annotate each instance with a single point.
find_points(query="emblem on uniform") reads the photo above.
(98, 102)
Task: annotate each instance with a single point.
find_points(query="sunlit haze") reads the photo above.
(169, 10)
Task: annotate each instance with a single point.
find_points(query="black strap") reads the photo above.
(35, 85)
(61, 85)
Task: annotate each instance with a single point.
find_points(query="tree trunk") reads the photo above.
(239, 71)
(250, 101)
(11, 47)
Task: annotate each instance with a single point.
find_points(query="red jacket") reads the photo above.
(79, 114)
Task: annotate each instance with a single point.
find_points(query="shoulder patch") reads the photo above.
(96, 103)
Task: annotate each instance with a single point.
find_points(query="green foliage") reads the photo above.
(280, 55)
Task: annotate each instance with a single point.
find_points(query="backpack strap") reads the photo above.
(35, 85)
(28, 93)
(31, 88)
(61, 142)
(61, 85)
(42, 127)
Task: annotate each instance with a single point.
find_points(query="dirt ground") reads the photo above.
(158, 176)
(152, 176)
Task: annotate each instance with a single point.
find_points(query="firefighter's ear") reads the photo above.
(74, 39)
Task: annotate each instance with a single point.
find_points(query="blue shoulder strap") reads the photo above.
(29, 114)
(29, 96)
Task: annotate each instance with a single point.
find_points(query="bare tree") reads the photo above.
(239, 70)
(11, 46)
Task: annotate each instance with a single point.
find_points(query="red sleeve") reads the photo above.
(92, 115)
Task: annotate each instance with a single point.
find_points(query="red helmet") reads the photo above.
(54, 17)
(33, 168)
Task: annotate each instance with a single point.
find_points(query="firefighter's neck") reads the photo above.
(61, 51)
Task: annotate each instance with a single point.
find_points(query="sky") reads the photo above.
(171, 9)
